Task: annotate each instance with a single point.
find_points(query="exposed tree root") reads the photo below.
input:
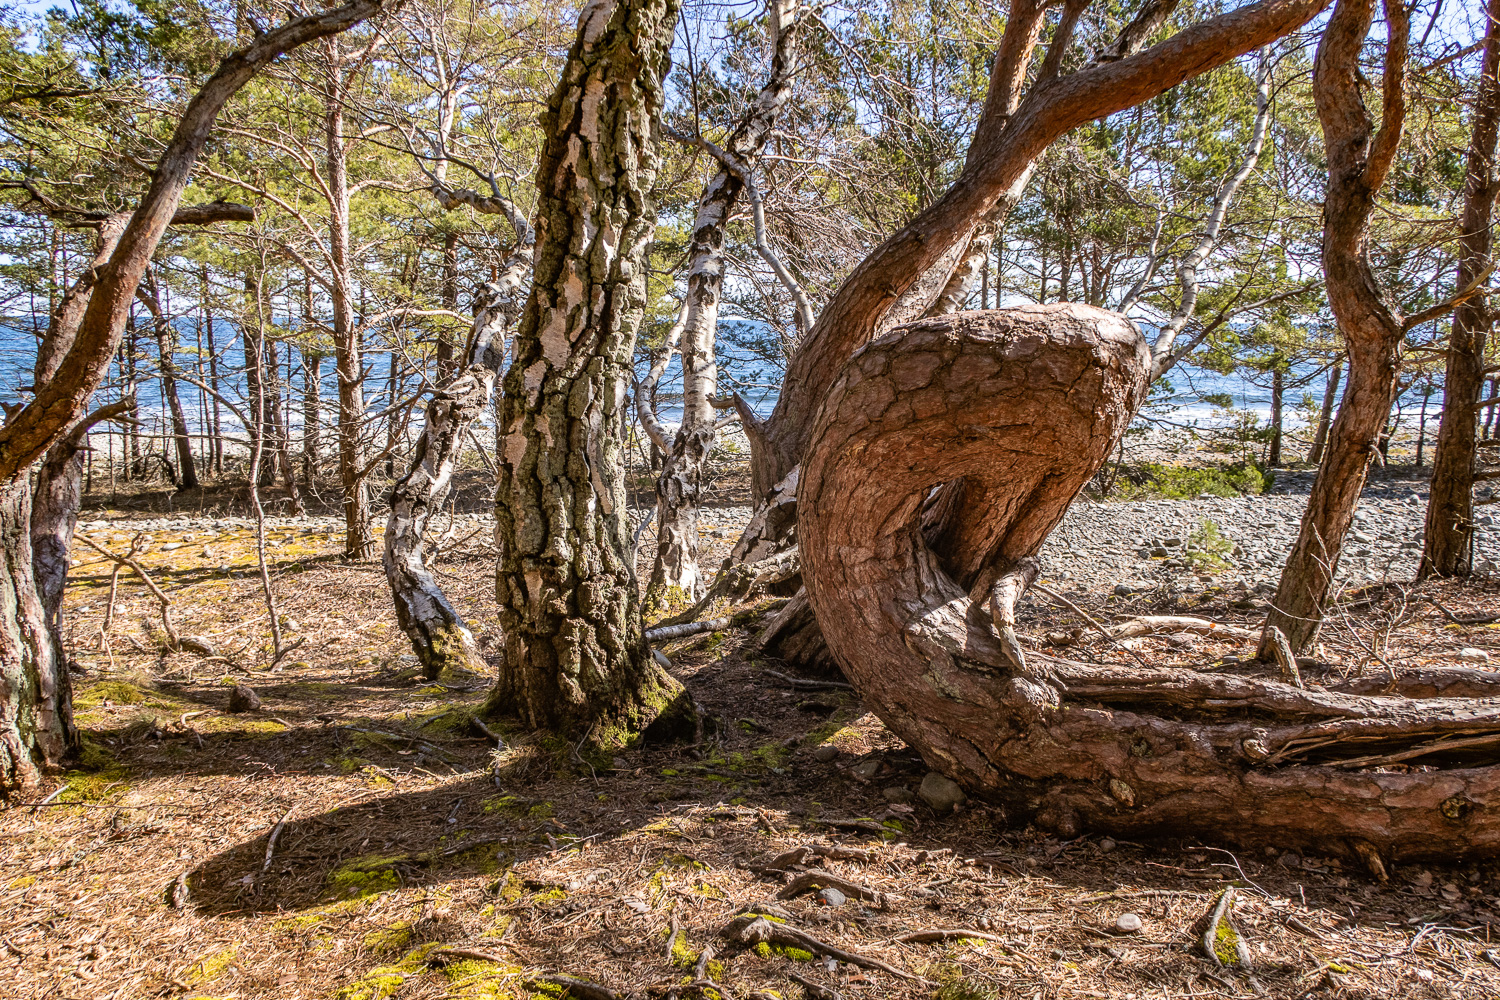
(1022, 406)
(750, 929)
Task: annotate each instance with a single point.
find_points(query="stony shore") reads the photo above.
(1181, 546)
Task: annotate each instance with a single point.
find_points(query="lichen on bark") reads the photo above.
(573, 658)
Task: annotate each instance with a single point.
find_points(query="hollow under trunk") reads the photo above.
(1023, 406)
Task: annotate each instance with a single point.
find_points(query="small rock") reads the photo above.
(941, 793)
(243, 699)
(826, 752)
(832, 897)
(899, 794)
(1106, 845)
(866, 769)
(1472, 655)
(1128, 923)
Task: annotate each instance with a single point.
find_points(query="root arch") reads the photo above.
(1023, 406)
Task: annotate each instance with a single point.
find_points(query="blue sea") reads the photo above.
(748, 361)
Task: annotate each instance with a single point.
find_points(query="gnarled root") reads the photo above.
(1022, 406)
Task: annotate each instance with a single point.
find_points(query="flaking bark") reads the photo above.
(573, 657)
(680, 485)
(440, 637)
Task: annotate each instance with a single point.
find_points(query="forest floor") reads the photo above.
(356, 839)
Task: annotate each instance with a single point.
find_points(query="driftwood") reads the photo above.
(1157, 624)
(1023, 405)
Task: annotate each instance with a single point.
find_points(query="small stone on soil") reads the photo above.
(243, 699)
(941, 793)
(1128, 923)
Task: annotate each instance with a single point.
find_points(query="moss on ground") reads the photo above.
(389, 940)
(367, 875)
(383, 981)
(208, 969)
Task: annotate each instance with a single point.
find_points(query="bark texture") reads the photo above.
(1448, 546)
(439, 636)
(1358, 157)
(574, 660)
(36, 724)
(1023, 406)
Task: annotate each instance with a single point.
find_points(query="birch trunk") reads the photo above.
(574, 660)
(680, 486)
(439, 636)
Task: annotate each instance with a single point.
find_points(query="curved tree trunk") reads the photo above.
(439, 635)
(1448, 548)
(1358, 157)
(1012, 134)
(35, 716)
(574, 659)
(1023, 406)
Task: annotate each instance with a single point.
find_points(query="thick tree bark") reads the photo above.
(574, 659)
(679, 487)
(1448, 548)
(439, 635)
(1023, 406)
(36, 725)
(1000, 159)
(35, 720)
(1358, 157)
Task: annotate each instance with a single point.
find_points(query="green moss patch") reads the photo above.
(367, 875)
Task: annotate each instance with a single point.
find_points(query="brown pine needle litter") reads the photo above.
(358, 839)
